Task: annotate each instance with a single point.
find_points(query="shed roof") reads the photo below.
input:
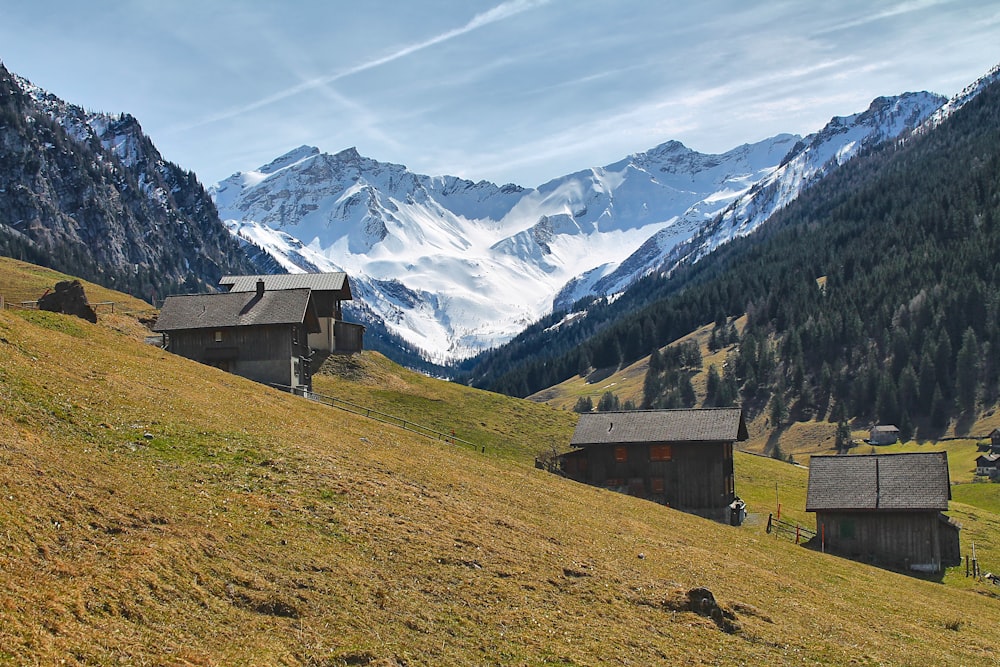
(886, 482)
(885, 428)
(237, 309)
(705, 425)
(320, 282)
(988, 458)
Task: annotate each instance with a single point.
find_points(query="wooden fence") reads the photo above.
(792, 531)
(99, 306)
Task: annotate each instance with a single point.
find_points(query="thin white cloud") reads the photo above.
(501, 12)
(891, 12)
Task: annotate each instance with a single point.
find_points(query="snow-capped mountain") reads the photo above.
(454, 267)
(965, 96)
(887, 118)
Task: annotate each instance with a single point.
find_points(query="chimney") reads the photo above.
(260, 288)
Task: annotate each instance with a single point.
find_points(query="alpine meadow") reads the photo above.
(732, 407)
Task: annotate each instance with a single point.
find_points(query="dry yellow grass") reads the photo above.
(156, 511)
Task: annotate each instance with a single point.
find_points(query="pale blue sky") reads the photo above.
(507, 90)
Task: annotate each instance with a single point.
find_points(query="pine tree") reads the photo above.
(966, 372)
(778, 410)
(712, 385)
(843, 437)
(686, 390)
(609, 402)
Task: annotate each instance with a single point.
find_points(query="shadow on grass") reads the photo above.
(815, 544)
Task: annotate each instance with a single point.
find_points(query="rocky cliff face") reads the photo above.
(89, 194)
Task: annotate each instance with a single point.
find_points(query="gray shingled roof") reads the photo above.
(890, 482)
(233, 309)
(707, 425)
(320, 282)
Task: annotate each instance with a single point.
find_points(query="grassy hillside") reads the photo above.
(156, 511)
(21, 281)
(504, 426)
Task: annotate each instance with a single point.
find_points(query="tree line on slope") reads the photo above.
(872, 297)
(143, 226)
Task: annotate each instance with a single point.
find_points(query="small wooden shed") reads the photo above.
(260, 335)
(681, 458)
(329, 291)
(883, 434)
(885, 509)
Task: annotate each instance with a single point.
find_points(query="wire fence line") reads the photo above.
(379, 416)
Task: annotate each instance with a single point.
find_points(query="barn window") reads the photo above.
(847, 529)
(218, 336)
(621, 454)
(656, 485)
(295, 335)
(660, 453)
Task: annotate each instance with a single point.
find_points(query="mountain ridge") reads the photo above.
(523, 247)
(480, 262)
(90, 194)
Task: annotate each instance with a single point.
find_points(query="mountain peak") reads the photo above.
(348, 155)
(289, 158)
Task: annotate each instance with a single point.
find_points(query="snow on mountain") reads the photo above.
(887, 118)
(717, 179)
(455, 267)
(960, 99)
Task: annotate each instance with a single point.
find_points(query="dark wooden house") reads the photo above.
(681, 458)
(261, 335)
(329, 291)
(995, 441)
(988, 465)
(885, 509)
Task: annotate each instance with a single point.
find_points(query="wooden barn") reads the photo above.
(261, 335)
(681, 458)
(329, 291)
(885, 509)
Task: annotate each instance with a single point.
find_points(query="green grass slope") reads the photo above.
(506, 427)
(21, 281)
(156, 511)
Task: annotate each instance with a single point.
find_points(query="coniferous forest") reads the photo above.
(872, 297)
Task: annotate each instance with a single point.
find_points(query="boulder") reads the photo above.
(69, 298)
